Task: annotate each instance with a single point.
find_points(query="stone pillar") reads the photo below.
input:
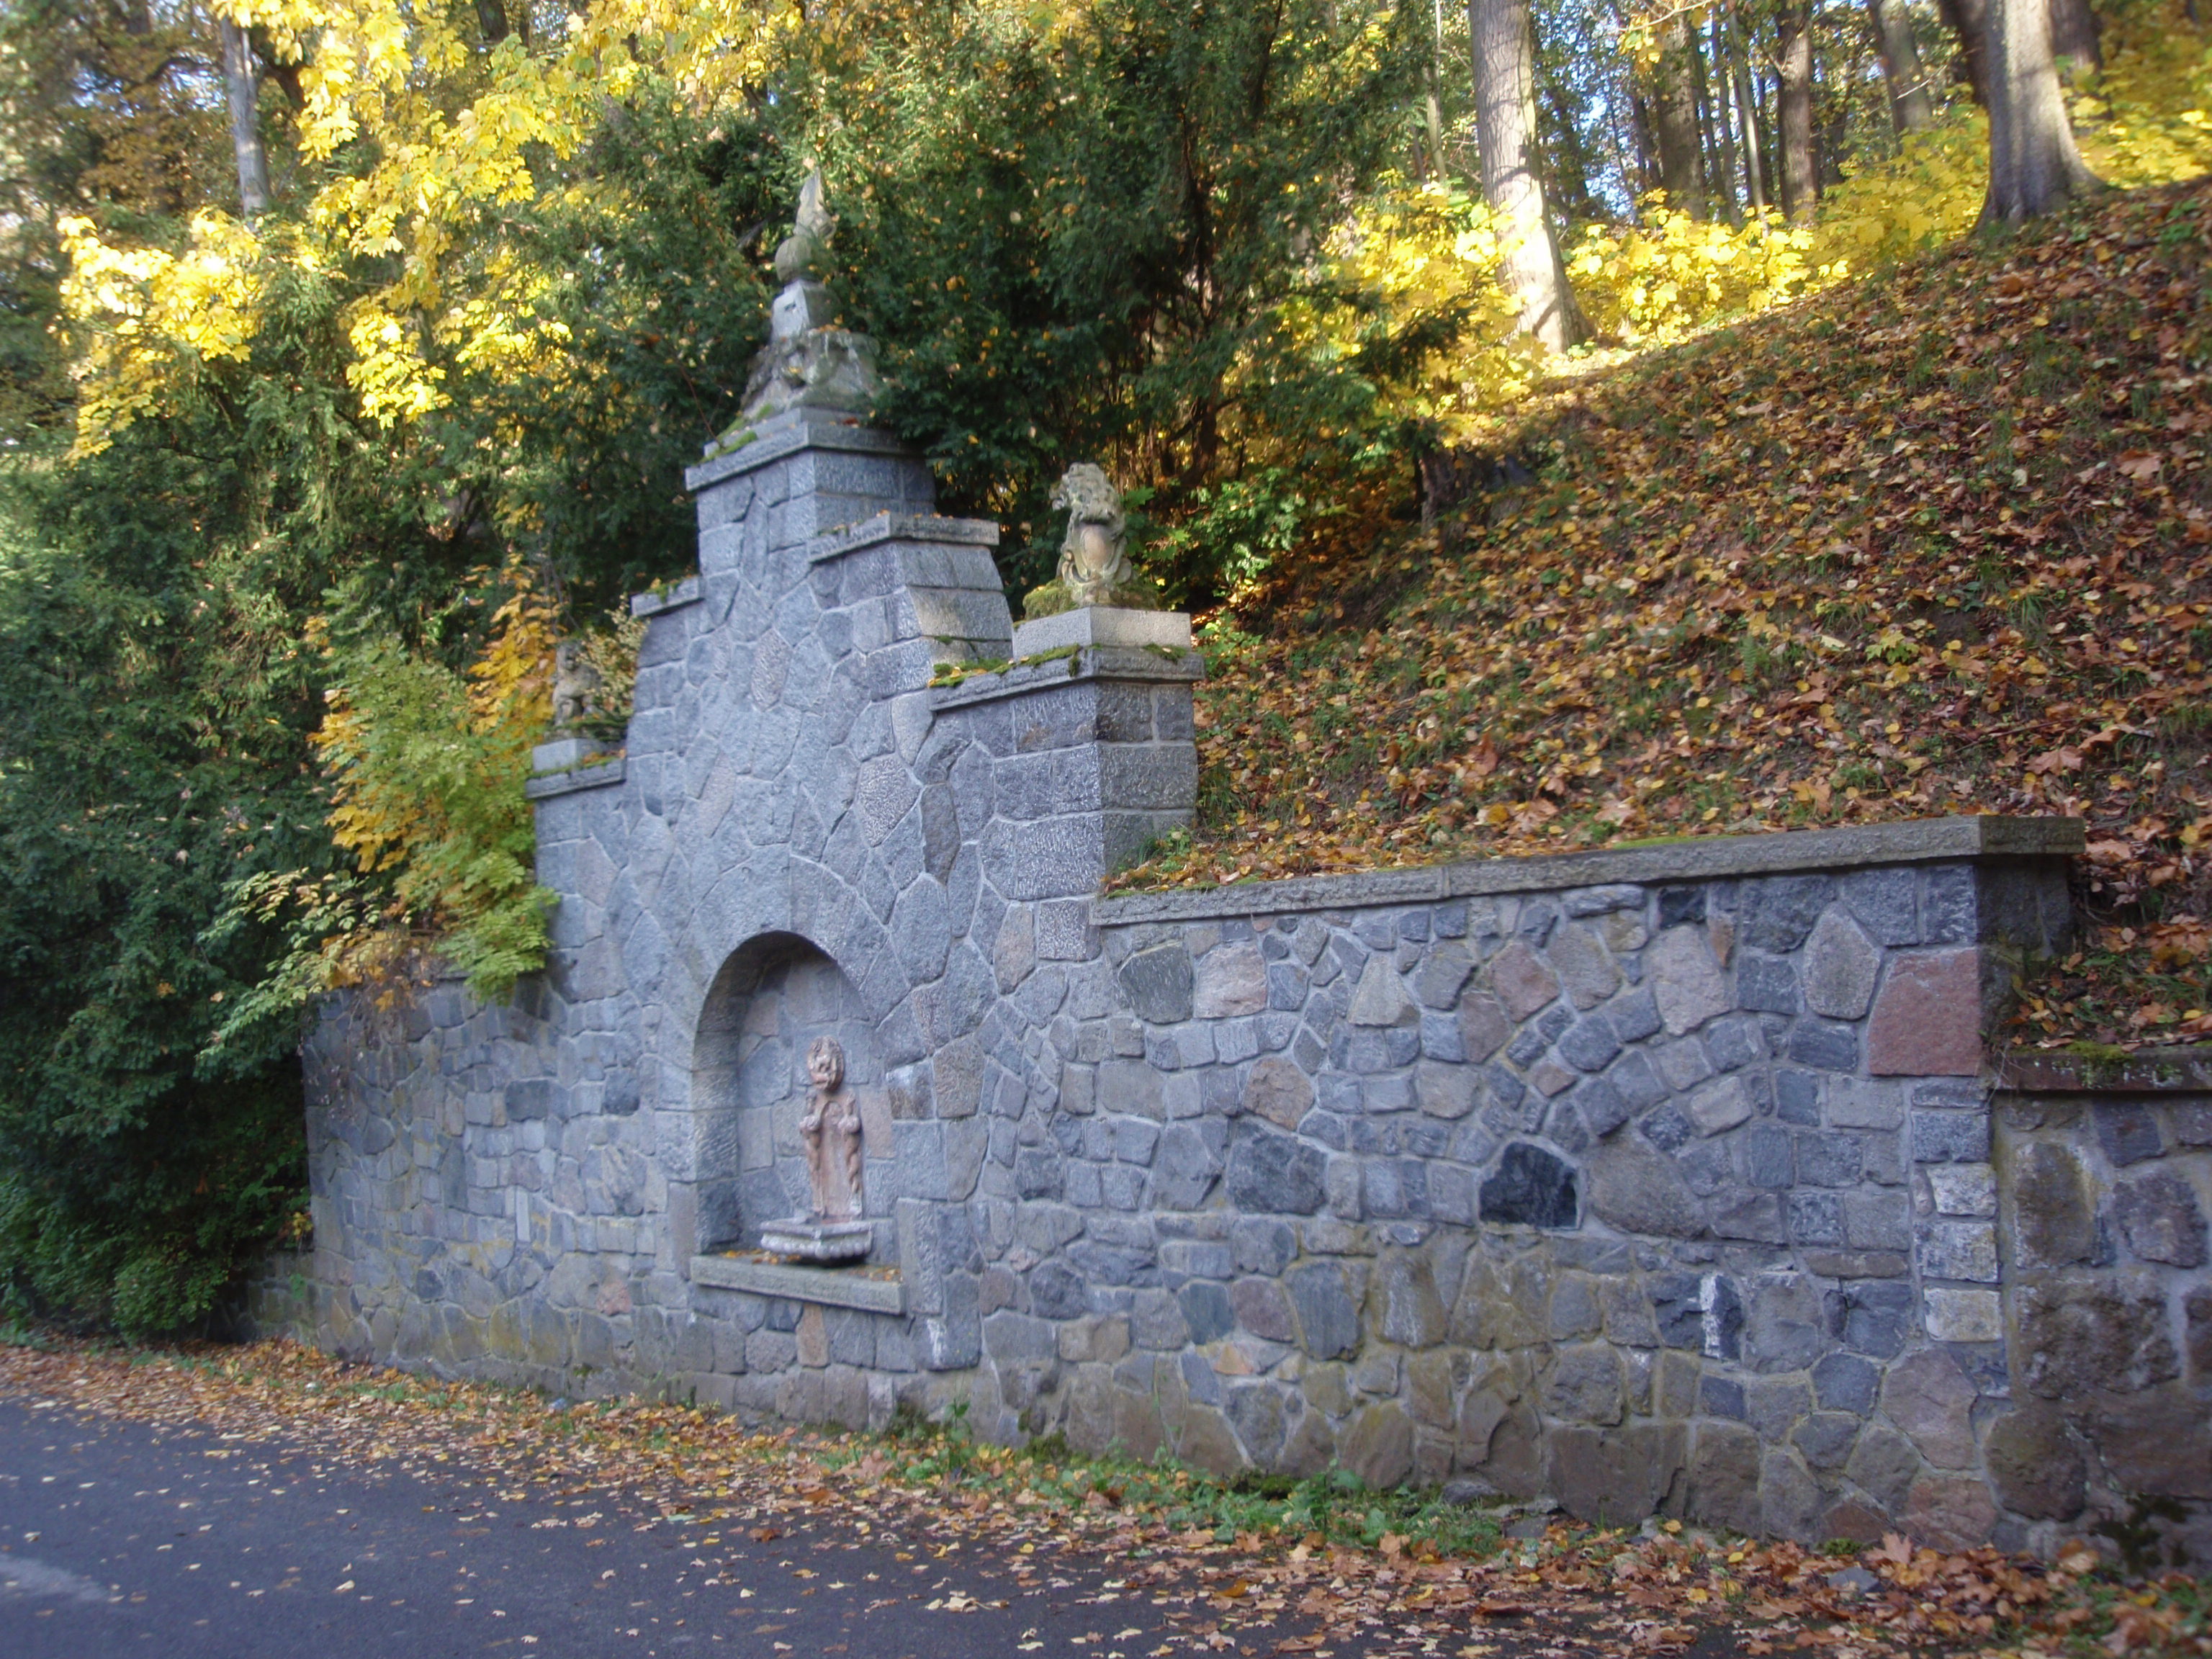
(1087, 756)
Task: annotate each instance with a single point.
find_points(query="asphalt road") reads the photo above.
(116, 1539)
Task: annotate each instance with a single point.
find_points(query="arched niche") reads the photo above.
(772, 998)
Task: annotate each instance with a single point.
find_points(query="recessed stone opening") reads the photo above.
(773, 997)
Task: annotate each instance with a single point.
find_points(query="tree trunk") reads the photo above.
(1648, 176)
(1433, 95)
(491, 18)
(2073, 39)
(1714, 182)
(1744, 75)
(1794, 62)
(1674, 114)
(1505, 131)
(1571, 169)
(1911, 106)
(1970, 22)
(239, 86)
(2033, 164)
(1723, 85)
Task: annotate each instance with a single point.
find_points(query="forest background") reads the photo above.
(350, 352)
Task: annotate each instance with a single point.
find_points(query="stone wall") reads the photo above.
(2101, 1176)
(1652, 1180)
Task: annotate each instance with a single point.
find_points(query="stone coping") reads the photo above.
(1920, 840)
(548, 784)
(927, 528)
(1163, 665)
(773, 440)
(1103, 624)
(832, 1287)
(687, 592)
(2179, 1070)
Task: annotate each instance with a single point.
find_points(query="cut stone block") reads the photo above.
(1103, 624)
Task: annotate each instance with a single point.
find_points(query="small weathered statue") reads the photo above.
(577, 685)
(830, 1130)
(807, 363)
(1095, 568)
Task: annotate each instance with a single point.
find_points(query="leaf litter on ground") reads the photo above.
(1320, 1567)
(1936, 542)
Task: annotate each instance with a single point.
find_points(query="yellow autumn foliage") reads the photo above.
(1671, 274)
(147, 318)
(1427, 251)
(426, 769)
(452, 132)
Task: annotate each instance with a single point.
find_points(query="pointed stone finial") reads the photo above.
(808, 363)
(800, 255)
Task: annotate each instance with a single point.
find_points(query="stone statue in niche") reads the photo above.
(830, 1131)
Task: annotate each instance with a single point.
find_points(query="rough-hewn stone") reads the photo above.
(1841, 967)
(1532, 1187)
(2162, 1218)
(2036, 1464)
(1928, 1397)
(1926, 1021)
(2055, 1222)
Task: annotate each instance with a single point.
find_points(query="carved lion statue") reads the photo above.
(1093, 560)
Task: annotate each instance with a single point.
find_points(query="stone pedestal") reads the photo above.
(805, 1240)
(565, 754)
(1102, 625)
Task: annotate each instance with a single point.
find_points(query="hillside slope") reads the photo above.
(1939, 541)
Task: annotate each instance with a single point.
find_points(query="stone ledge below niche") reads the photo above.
(831, 1286)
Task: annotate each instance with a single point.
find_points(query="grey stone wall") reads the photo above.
(1655, 1180)
(2100, 1178)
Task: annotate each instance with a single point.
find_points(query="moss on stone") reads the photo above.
(1055, 597)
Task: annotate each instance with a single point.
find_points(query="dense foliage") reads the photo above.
(1929, 546)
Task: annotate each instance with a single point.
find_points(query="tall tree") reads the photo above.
(1674, 117)
(1724, 122)
(1794, 63)
(1745, 73)
(1505, 132)
(2033, 164)
(242, 89)
(1911, 107)
(2075, 36)
(1969, 20)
